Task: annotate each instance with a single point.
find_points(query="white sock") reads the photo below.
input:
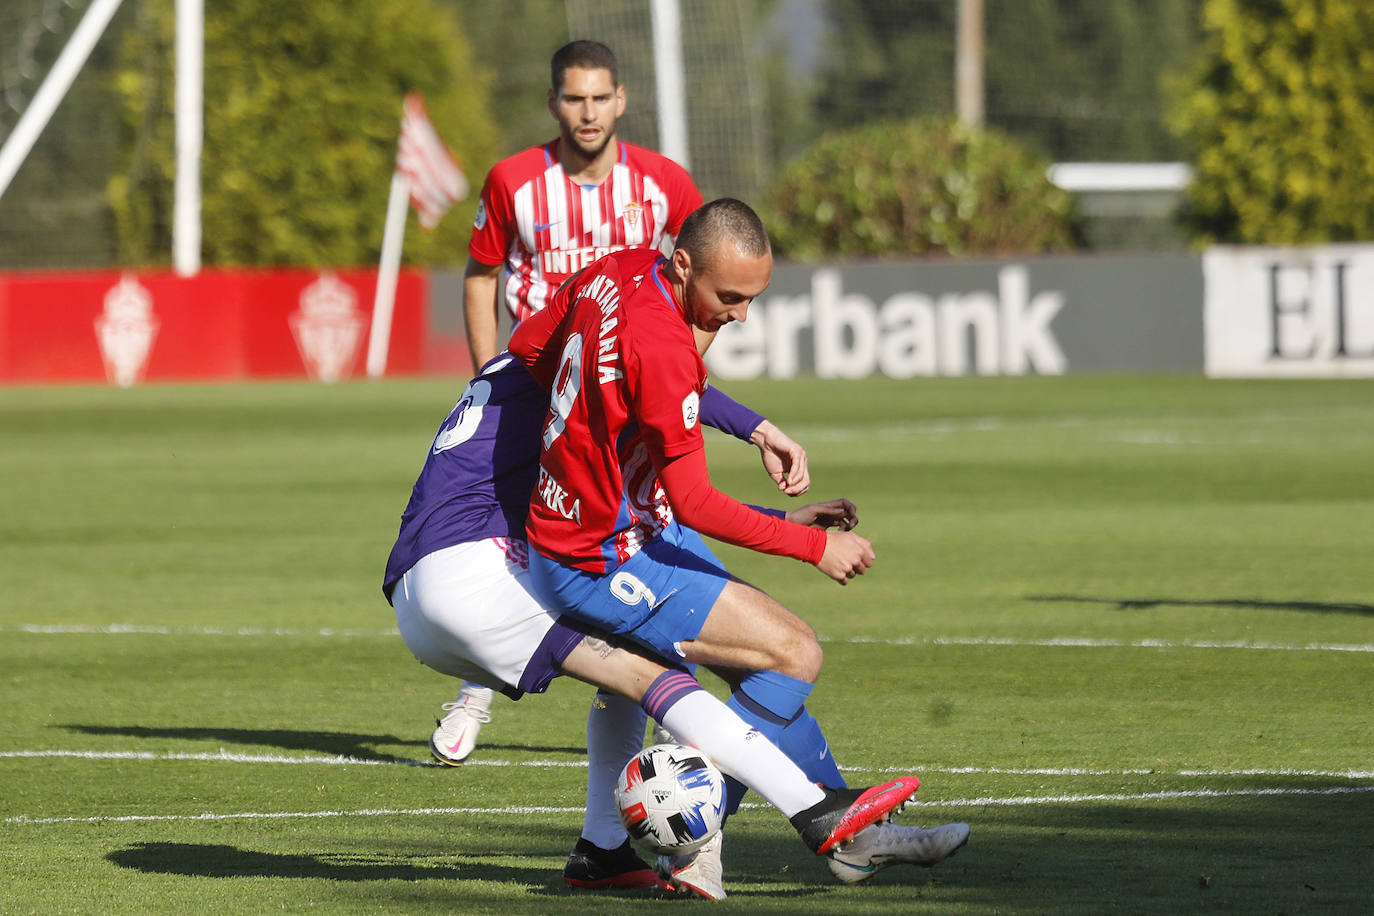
(475, 696)
(615, 733)
(740, 751)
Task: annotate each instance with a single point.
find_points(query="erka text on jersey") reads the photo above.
(556, 498)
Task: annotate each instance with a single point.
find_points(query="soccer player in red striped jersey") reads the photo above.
(551, 210)
(545, 214)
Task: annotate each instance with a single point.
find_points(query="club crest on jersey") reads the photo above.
(691, 405)
(632, 212)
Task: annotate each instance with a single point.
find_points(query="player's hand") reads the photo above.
(833, 513)
(846, 555)
(783, 459)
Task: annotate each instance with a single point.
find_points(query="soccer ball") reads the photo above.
(671, 799)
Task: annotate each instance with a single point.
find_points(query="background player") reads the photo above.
(543, 215)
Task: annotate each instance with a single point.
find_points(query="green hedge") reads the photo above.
(916, 187)
(302, 108)
(1280, 110)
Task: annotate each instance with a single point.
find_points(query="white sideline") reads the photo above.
(951, 803)
(1076, 642)
(137, 629)
(1054, 642)
(223, 756)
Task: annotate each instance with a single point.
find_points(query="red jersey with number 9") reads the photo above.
(625, 380)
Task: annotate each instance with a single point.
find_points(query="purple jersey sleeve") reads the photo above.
(719, 411)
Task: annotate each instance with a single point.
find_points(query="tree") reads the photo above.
(917, 187)
(1079, 79)
(512, 41)
(1280, 110)
(302, 108)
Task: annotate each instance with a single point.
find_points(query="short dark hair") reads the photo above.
(712, 224)
(584, 54)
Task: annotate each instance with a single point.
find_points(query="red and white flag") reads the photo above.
(436, 179)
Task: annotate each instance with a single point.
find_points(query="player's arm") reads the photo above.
(831, 513)
(783, 458)
(841, 555)
(481, 310)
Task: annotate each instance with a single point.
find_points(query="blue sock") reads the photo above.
(804, 742)
(769, 701)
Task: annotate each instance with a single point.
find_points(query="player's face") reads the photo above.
(724, 291)
(586, 108)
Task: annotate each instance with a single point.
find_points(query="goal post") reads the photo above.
(54, 88)
(189, 105)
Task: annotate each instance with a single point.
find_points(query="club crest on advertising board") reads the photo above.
(328, 328)
(125, 331)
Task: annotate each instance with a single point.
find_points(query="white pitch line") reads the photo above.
(223, 756)
(281, 815)
(135, 629)
(1079, 771)
(1052, 642)
(1139, 796)
(1075, 642)
(950, 803)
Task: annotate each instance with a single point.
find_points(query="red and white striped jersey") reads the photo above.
(545, 227)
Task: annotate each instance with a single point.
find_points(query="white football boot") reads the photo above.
(456, 734)
(875, 848)
(699, 873)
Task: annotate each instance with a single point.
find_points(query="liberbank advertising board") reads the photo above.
(1290, 311)
(1046, 316)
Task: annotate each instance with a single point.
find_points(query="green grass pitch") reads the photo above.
(1124, 627)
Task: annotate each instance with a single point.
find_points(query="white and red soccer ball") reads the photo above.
(671, 799)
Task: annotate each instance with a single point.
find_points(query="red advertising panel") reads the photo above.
(127, 327)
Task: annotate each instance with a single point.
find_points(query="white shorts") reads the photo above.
(466, 611)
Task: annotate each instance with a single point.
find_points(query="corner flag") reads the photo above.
(429, 175)
(436, 179)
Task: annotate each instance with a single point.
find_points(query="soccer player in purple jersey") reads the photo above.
(457, 577)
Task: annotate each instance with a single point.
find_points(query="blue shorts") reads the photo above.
(659, 597)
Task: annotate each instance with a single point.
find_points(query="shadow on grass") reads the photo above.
(340, 744)
(205, 860)
(1140, 604)
(216, 861)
